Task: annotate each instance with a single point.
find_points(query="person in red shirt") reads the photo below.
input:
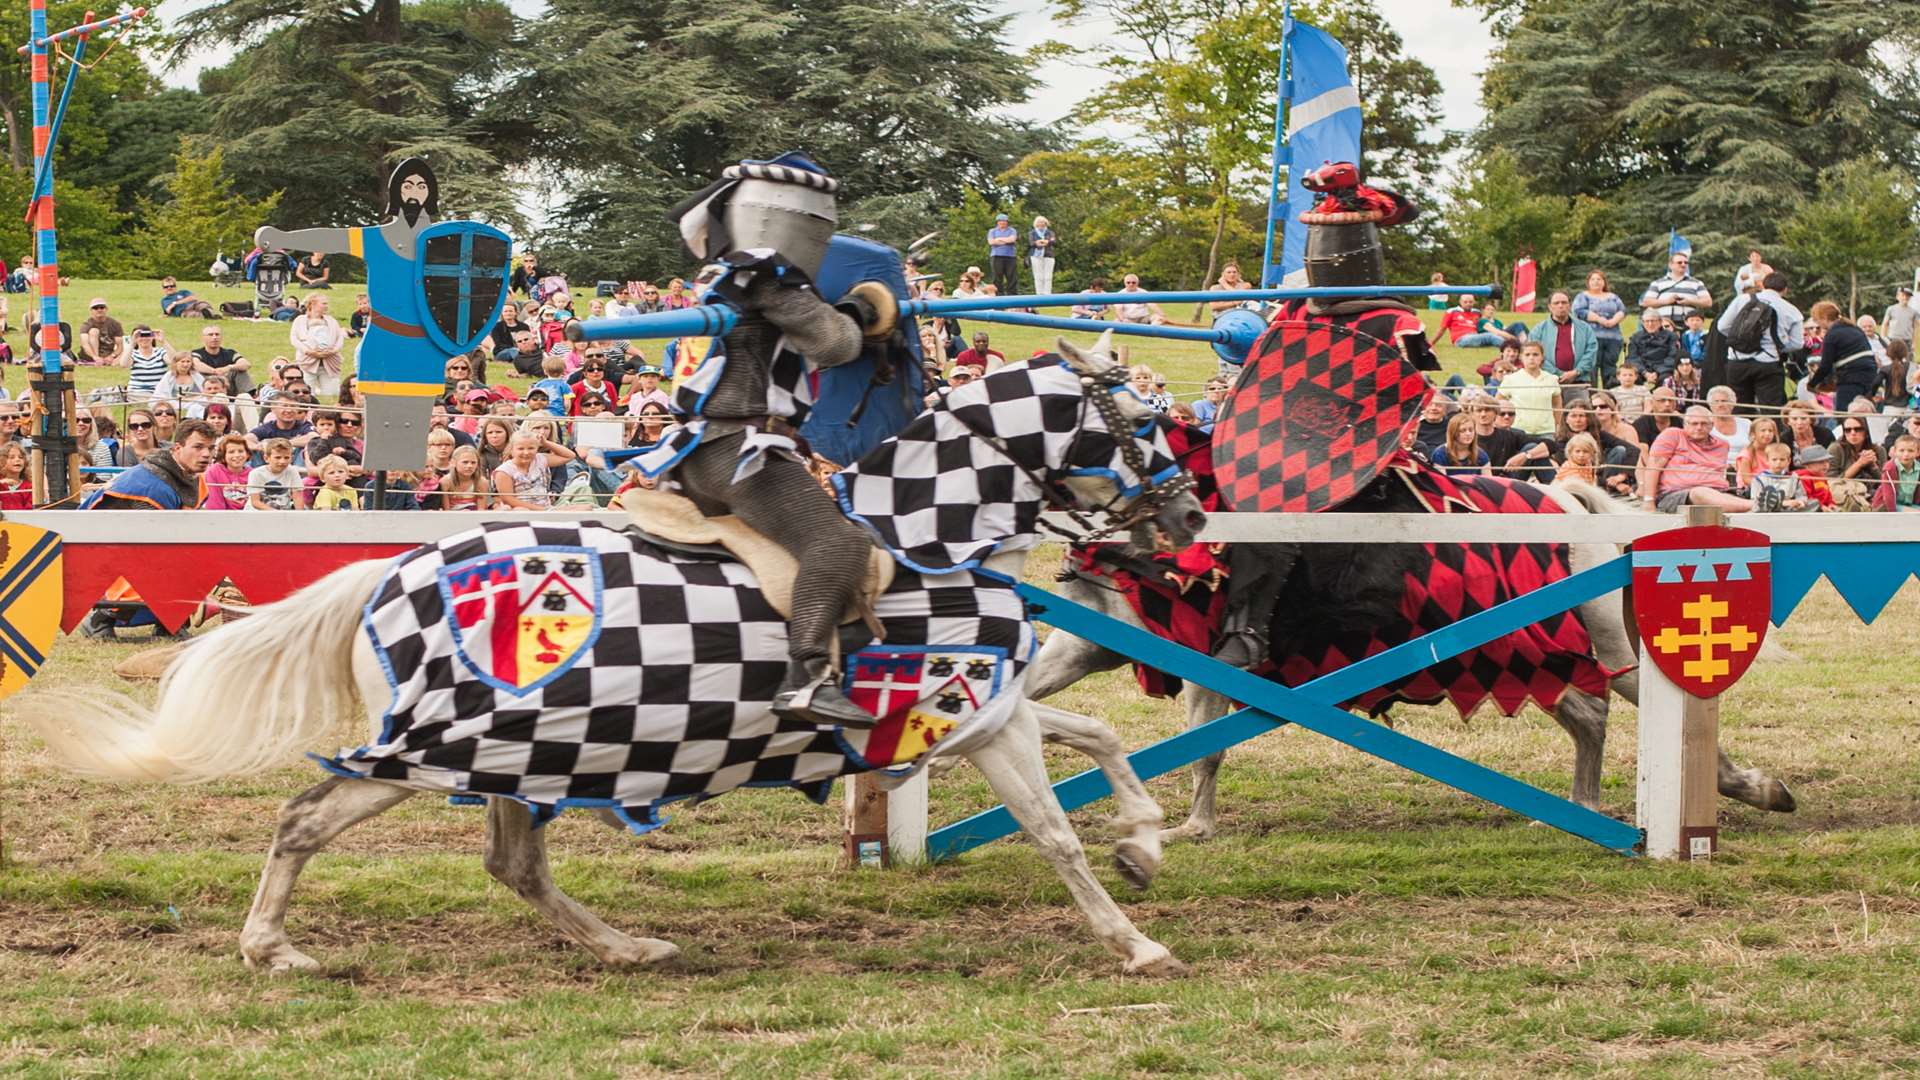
(592, 379)
(1468, 329)
(980, 357)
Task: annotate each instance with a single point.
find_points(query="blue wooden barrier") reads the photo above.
(1314, 705)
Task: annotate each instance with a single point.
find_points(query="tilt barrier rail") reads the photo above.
(174, 560)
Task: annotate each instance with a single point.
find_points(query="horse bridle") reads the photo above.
(1153, 497)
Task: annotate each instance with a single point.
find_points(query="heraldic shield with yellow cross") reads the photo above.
(30, 600)
(1703, 597)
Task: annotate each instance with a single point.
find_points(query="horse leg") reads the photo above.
(1137, 855)
(308, 822)
(1203, 706)
(1753, 787)
(1012, 764)
(517, 858)
(1064, 660)
(1584, 716)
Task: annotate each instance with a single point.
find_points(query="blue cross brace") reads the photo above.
(1738, 562)
(467, 273)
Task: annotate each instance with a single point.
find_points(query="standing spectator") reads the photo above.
(1899, 320)
(1136, 312)
(147, 363)
(1752, 273)
(1693, 342)
(317, 341)
(1688, 466)
(102, 339)
(227, 476)
(1467, 328)
(212, 358)
(1653, 348)
(315, 271)
(981, 356)
(1900, 480)
(1437, 301)
(1041, 243)
(1535, 392)
(1678, 292)
(1601, 310)
(1571, 347)
(1846, 356)
(1002, 240)
(1871, 331)
(1757, 344)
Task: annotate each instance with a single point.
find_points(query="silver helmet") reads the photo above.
(788, 210)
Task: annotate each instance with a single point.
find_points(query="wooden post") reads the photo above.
(885, 828)
(1678, 786)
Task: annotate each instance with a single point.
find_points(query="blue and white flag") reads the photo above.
(1676, 244)
(1323, 125)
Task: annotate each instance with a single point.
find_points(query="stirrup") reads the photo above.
(1245, 649)
(816, 699)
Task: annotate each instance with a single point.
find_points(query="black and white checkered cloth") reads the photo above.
(579, 666)
(941, 497)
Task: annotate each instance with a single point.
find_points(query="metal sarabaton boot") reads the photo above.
(1242, 647)
(811, 695)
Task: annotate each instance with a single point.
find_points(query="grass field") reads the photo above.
(1350, 920)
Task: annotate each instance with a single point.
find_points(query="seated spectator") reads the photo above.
(1688, 466)
(1468, 328)
(1762, 432)
(1129, 312)
(981, 356)
(227, 476)
(1774, 486)
(1080, 311)
(330, 441)
(16, 487)
(1813, 462)
(1582, 465)
(314, 272)
(1507, 360)
(440, 420)
(1653, 348)
(592, 379)
(213, 358)
(465, 486)
(102, 339)
(335, 492)
(1212, 400)
(1630, 395)
(647, 390)
(553, 386)
(277, 485)
(363, 314)
(218, 417)
(147, 363)
(288, 422)
(1900, 480)
(1802, 430)
(179, 303)
(1734, 429)
(524, 481)
(1147, 386)
(1855, 458)
(106, 446)
(179, 380)
(166, 417)
(139, 443)
(1459, 452)
(1431, 433)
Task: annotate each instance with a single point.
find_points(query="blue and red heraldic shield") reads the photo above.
(1703, 596)
(30, 602)
(1319, 409)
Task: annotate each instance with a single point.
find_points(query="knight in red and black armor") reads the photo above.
(1343, 251)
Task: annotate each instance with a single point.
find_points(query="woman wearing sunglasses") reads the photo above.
(140, 439)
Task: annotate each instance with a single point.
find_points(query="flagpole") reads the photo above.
(1269, 268)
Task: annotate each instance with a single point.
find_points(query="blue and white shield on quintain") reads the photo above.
(463, 268)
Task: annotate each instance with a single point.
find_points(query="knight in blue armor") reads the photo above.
(767, 224)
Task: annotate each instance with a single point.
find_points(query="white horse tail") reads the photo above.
(1584, 496)
(238, 700)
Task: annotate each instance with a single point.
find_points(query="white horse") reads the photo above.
(1065, 660)
(233, 703)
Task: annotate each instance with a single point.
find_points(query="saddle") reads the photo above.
(673, 522)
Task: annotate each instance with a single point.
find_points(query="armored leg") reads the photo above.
(1256, 574)
(784, 503)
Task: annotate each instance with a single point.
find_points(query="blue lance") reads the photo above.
(1231, 335)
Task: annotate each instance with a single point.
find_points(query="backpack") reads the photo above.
(1751, 326)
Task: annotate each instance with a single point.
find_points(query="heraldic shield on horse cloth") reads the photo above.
(1318, 410)
(1703, 597)
(581, 666)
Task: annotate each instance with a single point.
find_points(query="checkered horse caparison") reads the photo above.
(582, 666)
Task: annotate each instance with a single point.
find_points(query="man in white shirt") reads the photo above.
(1679, 294)
(1136, 312)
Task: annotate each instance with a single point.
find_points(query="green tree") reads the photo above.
(324, 96)
(1696, 114)
(1860, 223)
(86, 219)
(141, 136)
(630, 107)
(115, 74)
(1495, 219)
(202, 216)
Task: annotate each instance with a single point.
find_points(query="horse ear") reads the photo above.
(1089, 361)
(1104, 346)
(1076, 359)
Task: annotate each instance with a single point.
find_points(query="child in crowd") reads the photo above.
(1583, 459)
(1630, 395)
(554, 382)
(16, 488)
(1763, 432)
(277, 484)
(465, 486)
(1814, 461)
(334, 492)
(646, 388)
(227, 476)
(362, 315)
(1775, 487)
(1685, 383)
(1461, 454)
(328, 442)
(523, 481)
(1900, 480)
(1695, 339)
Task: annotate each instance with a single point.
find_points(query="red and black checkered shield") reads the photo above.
(1318, 409)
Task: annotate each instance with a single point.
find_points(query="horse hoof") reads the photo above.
(1156, 961)
(1135, 865)
(1189, 831)
(642, 952)
(285, 960)
(1779, 798)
